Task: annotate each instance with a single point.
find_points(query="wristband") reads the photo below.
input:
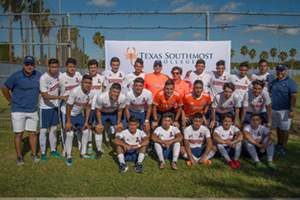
(204, 113)
(291, 110)
(147, 120)
(155, 120)
(175, 120)
(269, 124)
(139, 146)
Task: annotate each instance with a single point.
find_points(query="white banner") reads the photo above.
(172, 53)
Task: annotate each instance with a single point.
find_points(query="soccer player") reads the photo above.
(131, 142)
(109, 108)
(167, 140)
(194, 137)
(49, 85)
(258, 141)
(114, 75)
(229, 141)
(80, 98)
(129, 78)
(165, 101)
(284, 94)
(139, 103)
(180, 86)
(256, 100)
(225, 102)
(263, 75)
(24, 87)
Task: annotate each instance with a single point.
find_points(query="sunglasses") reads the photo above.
(175, 73)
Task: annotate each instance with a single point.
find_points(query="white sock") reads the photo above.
(69, 143)
(176, 150)
(269, 150)
(186, 156)
(159, 151)
(141, 157)
(52, 138)
(238, 150)
(79, 135)
(63, 135)
(252, 151)
(84, 140)
(90, 138)
(43, 138)
(222, 150)
(210, 155)
(98, 140)
(121, 158)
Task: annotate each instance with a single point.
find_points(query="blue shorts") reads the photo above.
(112, 118)
(198, 151)
(168, 153)
(262, 115)
(92, 116)
(130, 155)
(141, 116)
(77, 121)
(219, 115)
(49, 117)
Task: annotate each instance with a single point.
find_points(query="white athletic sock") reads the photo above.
(52, 138)
(98, 140)
(79, 135)
(90, 138)
(69, 143)
(141, 157)
(43, 132)
(222, 150)
(238, 150)
(210, 155)
(186, 156)
(159, 151)
(63, 135)
(269, 150)
(252, 151)
(121, 158)
(84, 141)
(176, 150)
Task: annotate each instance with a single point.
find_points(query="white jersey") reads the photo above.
(256, 104)
(112, 77)
(217, 82)
(107, 105)
(242, 85)
(267, 78)
(140, 103)
(78, 100)
(166, 135)
(204, 77)
(50, 85)
(226, 135)
(224, 106)
(196, 137)
(130, 139)
(67, 83)
(129, 80)
(258, 134)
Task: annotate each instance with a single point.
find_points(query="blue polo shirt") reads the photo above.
(24, 90)
(281, 91)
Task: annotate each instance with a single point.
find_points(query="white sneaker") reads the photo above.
(79, 146)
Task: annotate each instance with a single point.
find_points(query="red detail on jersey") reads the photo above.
(95, 87)
(231, 103)
(230, 133)
(54, 87)
(246, 82)
(57, 79)
(77, 80)
(259, 101)
(79, 104)
(258, 134)
(171, 134)
(241, 87)
(218, 83)
(196, 141)
(120, 75)
(225, 78)
(144, 100)
(117, 103)
(70, 87)
(200, 135)
(115, 81)
(137, 139)
(267, 79)
(88, 98)
(99, 81)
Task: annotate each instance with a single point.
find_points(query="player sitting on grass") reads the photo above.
(131, 142)
(167, 140)
(229, 140)
(195, 136)
(258, 141)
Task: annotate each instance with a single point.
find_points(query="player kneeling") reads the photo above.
(195, 136)
(258, 141)
(229, 140)
(167, 140)
(131, 142)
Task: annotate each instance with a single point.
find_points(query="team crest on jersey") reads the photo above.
(173, 101)
(225, 78)
(88, 98)
(57, 79)
(99, 80)
(267, 79)
(231, 103)
(180, 88)
(144, 100)
(259, 100)
(117, 103)
(77, 80)
(230, 133)
(258, 134)
(202, 102)
(171, 134)
(246, 82)
(200, 135)
(120, 75)
(163, 80)
(137, 139)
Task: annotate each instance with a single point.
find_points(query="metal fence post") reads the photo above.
(69, 35)
(83, 54)
(207, 26)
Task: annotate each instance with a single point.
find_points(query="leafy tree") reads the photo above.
(293, 52)
(99, 39)
(283, 56)
(252, 54)
(264, 55)
(244, 51)
(273, 53)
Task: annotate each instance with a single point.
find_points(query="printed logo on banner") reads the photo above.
(131, 56)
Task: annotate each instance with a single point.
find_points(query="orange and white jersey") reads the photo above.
(196, 137)
(193, 104)
(130, 139)
(107, 105)
(112, 77)
(267, 78)
(217, 82)
(164, 135)
(50, 85)
(224, 106)
(78, 100)
(164, 103)
(140, 103)
(204, 77)
(67, 83)
(226, 135)
(155, 83)
(182, 87)
(258, 134)
(129, 80)
(256, 104)
(242, 85)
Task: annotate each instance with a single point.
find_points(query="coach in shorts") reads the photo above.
(284, 93)
(24, 87)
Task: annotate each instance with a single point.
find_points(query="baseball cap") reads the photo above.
(28, 59)
(281, 66)
(157, 62)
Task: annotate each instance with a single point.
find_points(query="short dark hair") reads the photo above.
(114, 59)
(133, 118)
(87, 76)
(139, 80)
(200, 61)
(140, 61)
(93, 62)
(262, 61)
(169, 82)
(255, 115)
(244, 64)
(177, 68)
(220, 62)
(227, 115)
(116, 86)
(53, 61)
(168, 115)
(71, 60)
(197, 115)
(229, 85)
(198, 82)
(259, 82)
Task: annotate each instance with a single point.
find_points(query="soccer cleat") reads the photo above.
(188, 163)
(174, 165)
(281, 151)
(277, 146)
(271, 166)
(107, 145)
(123, 168)
(208, 162)
(69, 161)
(259, 166)
(138, 167)
(20, 161)
(43, 158)
(79, 146)
(232, 165)
(99, 155)
(237, 163)
(162, 165)
(90, 150)
(86, 156)
(35, 158)
(55, 154)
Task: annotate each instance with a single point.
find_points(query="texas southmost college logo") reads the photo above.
(131, 56)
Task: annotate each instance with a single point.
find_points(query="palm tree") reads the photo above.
(99, 39)
(273, 53)
(244, 51)
(33, 8)
(293, 52)
(283, 56)
(252, 54)
(264, 55)
(20, 9)
(232, 53)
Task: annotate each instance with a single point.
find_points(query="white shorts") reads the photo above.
(280, 119)
(24, 121)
